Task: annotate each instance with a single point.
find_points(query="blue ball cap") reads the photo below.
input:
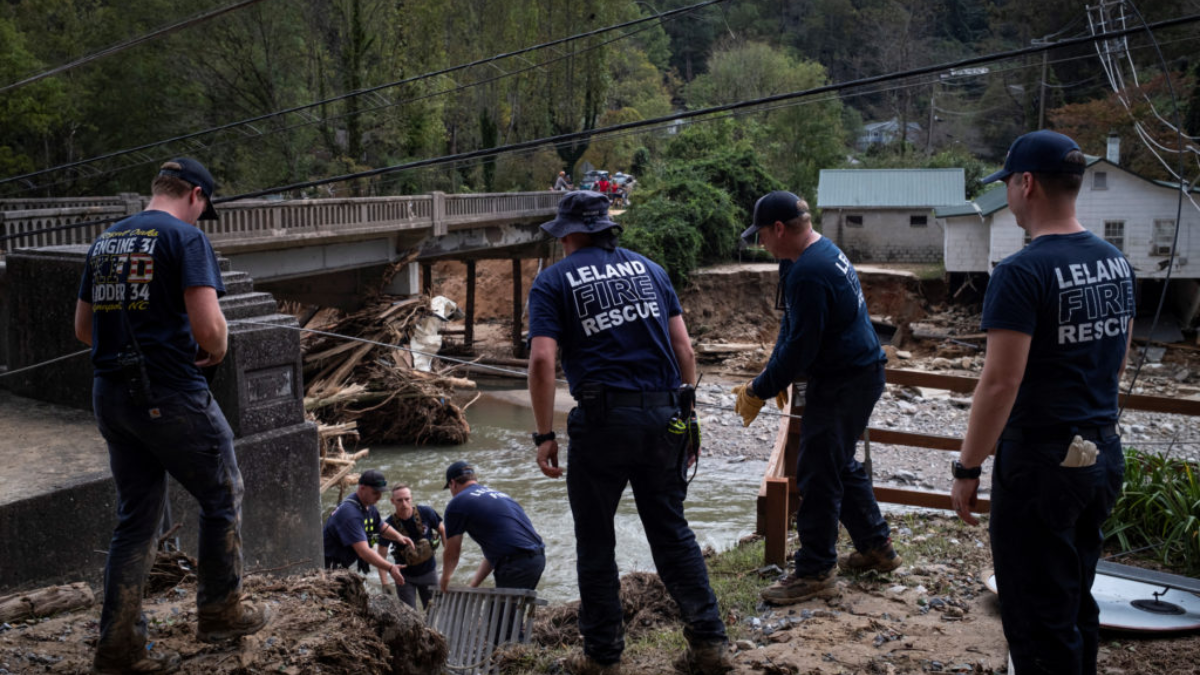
(778, 206)
(457, 470)
(191, 171)
(1038, 152)
(373, 478)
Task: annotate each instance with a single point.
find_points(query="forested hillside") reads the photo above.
(273, 55)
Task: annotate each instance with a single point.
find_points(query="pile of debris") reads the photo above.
(367, 377)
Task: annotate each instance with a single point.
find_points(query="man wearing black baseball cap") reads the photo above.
(148, 305)
(1059, 317)
(354, 528)
(825, 336)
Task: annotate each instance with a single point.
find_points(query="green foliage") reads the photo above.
(1159, 507)
(664, 232)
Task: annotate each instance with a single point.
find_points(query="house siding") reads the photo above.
(886, 235)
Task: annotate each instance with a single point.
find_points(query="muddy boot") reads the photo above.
(882, 559)
(157, 661)
(578, 663)
(705, 658)
(232, 621)
(798, 589)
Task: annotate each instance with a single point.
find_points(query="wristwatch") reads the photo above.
(538, 439)
(960, 471)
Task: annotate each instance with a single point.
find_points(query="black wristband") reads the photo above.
(538, 439)
(959, 471)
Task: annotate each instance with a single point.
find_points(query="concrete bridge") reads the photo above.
(321, 251)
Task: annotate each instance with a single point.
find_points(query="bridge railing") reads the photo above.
(245, 220)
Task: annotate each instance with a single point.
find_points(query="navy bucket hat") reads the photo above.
(1038, 152)
(580, 211)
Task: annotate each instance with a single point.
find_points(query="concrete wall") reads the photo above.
(885, 235)
(966, 243)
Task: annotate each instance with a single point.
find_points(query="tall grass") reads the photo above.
(1159, 509)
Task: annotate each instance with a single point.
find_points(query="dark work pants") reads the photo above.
(521, 572)
(833, 485)
(633, 447)
(1046, 540)
(193, 443)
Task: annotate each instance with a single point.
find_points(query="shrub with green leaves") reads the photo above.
(1159, 508)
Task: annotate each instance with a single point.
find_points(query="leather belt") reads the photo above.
(640, 399)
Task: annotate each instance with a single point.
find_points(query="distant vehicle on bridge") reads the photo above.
(591, 178)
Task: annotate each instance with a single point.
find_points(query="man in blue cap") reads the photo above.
(1059, 317)
(352, 531)
(825, 336)
(148, 306)
(498, 524)
(625, 351)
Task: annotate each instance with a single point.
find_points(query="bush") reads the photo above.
(1159, 508)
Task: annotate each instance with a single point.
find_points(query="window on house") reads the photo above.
(1164, 234)
(1100, 180)
(918, 221)
(1114, 233)
(854, 221)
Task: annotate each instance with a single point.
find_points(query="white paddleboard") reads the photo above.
(1118, 611)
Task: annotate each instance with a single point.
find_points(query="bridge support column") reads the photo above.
(517, 305)
(427, 278)
(469, 332)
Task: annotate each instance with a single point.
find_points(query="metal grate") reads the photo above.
(476, 620)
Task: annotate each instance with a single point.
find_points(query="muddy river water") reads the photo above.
(720, 504)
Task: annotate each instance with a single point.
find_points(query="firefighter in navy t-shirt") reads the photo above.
(1058, 315)
(826, 336)
(625, 351)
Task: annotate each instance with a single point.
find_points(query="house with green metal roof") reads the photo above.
(887, 215)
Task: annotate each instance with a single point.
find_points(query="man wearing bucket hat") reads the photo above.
(825, 336)
(148, 306)
(1058, 316)
(625, 351)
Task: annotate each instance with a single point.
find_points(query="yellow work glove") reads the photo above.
(781, 400)
(747, 404)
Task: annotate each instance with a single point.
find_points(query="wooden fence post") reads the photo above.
(777, 519)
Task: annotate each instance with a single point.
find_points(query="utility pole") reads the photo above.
(1042, 88)
(929, 131)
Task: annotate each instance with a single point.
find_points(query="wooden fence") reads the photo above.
(778, 497)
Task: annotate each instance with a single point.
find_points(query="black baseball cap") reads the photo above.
(778, 206)
(457, 470)
(1038, 152)
(373, 478)
(194, 172)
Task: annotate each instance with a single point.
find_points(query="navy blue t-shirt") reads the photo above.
(609, 312)
(145, 262)
(1074, 294)
(429, 524)
(825, 327)
(493, 519)
(350, 523)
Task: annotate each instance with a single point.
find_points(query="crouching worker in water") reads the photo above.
(354, 528)
(424, 527)
(826, 336)
(626, 352)
(148, 307)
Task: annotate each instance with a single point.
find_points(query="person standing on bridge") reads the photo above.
(826, 336)
(626, 351)
(148, 307)
(1059, 318)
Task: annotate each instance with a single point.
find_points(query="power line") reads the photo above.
(666, 119)
(141, 39)
(360, 92)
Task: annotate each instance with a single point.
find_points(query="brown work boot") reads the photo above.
(578, 663)
(232, 621)
(705, 658)
(882, 559)
(157, 661)
(798, 589)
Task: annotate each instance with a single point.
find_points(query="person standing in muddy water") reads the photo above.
(423, 526)
(825, 336)
(148, 307)
(1059, 318)
(625, 351)
(354, 528)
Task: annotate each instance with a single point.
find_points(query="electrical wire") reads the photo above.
(745, 105)
(361, 92)
(141, 39)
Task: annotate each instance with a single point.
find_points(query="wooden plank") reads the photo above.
(921, 378)
(1177, 406)
(776, 529)
(893, 437)
(930, 499)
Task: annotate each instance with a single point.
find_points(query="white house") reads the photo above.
(882, 133)
(887, 215)
(1135, 214)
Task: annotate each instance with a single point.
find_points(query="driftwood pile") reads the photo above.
(373, 383)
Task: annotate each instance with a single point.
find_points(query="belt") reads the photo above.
(520, 555)
(640, 399)
(1058, 433)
